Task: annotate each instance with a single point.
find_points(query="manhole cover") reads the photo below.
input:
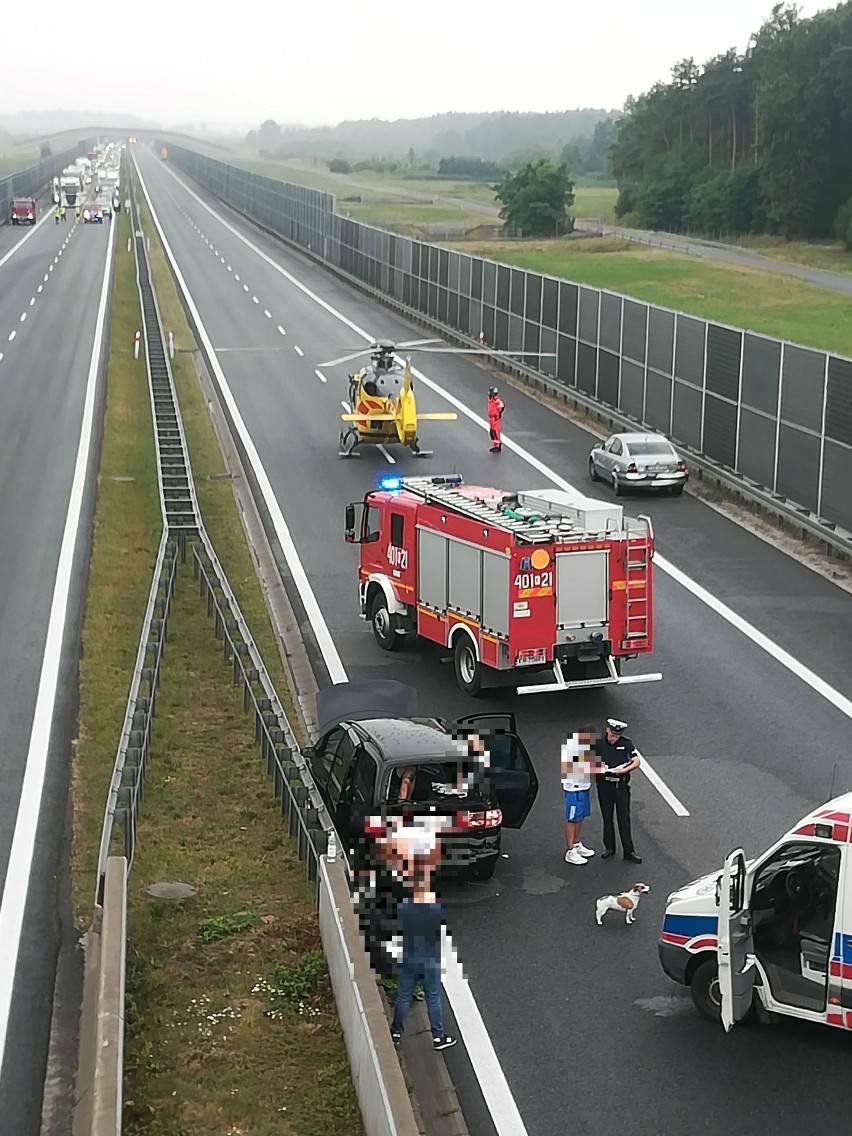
(171, 889)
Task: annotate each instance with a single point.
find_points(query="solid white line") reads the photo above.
(382, 450)
(661, 787)
(793, 665)
(14, 902)
(321, 376)
(325, 642)
(281, 329)
(486, 1064)
(31, 233)
(298, 350)
(492, 1079)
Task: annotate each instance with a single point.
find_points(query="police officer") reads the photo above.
(619, 755)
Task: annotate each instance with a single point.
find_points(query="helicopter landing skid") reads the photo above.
(422, 453)
(348, 454)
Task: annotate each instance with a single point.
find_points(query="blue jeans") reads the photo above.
(429, 971)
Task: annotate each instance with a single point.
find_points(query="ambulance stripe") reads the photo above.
(690, 926)
(842, 951)
(840, 970)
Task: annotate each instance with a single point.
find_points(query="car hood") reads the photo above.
(698, 895)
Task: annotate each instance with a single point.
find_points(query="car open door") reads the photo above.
(511, 773)
(735, 950)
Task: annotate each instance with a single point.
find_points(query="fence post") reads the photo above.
(136, 344)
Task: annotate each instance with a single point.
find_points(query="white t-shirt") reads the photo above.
(577, 779)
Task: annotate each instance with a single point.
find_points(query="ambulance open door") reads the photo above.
(735, 950)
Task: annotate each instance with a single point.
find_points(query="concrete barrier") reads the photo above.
(383, 1098)
(98, 1090)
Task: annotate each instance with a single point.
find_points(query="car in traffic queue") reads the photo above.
(371, 732)
(638, 461)
(770, 936)
(93, 214)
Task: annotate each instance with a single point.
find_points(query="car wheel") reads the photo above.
(593, 473)
(704, 989)
(384, 624)
(616, 485)
(677, 490)
(484, 869)
(467, 667)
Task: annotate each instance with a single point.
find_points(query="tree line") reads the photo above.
(749, 143)
(506, 140)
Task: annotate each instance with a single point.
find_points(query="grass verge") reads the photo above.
(753, 298)
(126, 536)
(230, 1020)
(15, 162)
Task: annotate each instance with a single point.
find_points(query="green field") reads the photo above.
(757, 299)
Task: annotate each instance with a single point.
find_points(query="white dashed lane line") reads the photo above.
(32, 301)
(235, 276)
(281, 329)
(23, 317)
(12, 335)
(267, 313)
(255, 300)
(298, 349)
(321, 376)
(245, 287)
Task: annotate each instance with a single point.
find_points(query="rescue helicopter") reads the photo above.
(381, 396)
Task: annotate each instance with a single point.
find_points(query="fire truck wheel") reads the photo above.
(467, 667)
(384, 624)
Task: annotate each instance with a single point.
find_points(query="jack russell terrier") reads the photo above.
(627, 902)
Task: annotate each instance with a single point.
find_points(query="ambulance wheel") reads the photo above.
(467, 667)
(704, 989)
(384, 624)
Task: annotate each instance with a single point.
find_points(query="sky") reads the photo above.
(180, 61)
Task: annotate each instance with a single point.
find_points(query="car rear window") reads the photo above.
(641, 449)
(441, 782)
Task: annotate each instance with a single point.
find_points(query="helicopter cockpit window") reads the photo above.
(370, 387)
(372, 522)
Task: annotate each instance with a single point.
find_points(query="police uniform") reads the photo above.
(614, 791)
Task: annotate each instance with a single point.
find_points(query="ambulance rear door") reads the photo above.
(735, 950)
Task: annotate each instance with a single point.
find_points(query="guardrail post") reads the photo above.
(129, 244)
(171, 345)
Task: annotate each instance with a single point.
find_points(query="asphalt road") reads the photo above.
(54, 282)
(590, 1033)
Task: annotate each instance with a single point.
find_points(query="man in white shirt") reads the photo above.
(578, 767)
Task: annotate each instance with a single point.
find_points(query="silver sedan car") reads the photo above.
(643, 461)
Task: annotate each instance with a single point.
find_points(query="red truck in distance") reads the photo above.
(23, 211)
(536, 583)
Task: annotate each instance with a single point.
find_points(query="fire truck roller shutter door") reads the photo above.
(495, 592)
(432, 557)
(465, 579)
(582, 590)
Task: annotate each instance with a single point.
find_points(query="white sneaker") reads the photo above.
(572, 856)
(584, 851)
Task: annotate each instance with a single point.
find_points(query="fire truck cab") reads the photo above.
(540, 581)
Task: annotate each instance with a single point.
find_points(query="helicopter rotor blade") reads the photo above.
(484, 351)
(344, 358)
(416, 343)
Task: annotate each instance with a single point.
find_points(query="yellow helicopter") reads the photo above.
(381, 397)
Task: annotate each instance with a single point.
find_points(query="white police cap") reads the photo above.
(617, 726)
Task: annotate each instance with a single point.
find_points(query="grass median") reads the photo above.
(760, 300)
(126, 535)
(230, 1020)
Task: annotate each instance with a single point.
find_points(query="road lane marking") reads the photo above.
(662, 788)
(12, 335)
(298, 349)
(255, 300)
(321, 376)
(382, 450)
(245, 287)
(267, 313)
(281, 329)
(14, 901)
(793, 665)
(23, 317)
(32, 301)
(492, 1079)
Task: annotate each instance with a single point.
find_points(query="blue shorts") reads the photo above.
(578, 805)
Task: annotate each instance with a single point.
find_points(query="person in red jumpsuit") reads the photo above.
(495, 413)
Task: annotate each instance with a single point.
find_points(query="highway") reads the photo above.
(53, 303)
(589, 1033)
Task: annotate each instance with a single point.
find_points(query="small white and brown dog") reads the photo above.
(627, 902)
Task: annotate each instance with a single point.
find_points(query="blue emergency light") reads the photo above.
(391, 483)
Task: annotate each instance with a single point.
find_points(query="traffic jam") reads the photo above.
(544, 591)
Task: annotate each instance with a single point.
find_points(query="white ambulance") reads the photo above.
(773, 934)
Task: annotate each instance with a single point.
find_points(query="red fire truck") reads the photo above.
(531, 581)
